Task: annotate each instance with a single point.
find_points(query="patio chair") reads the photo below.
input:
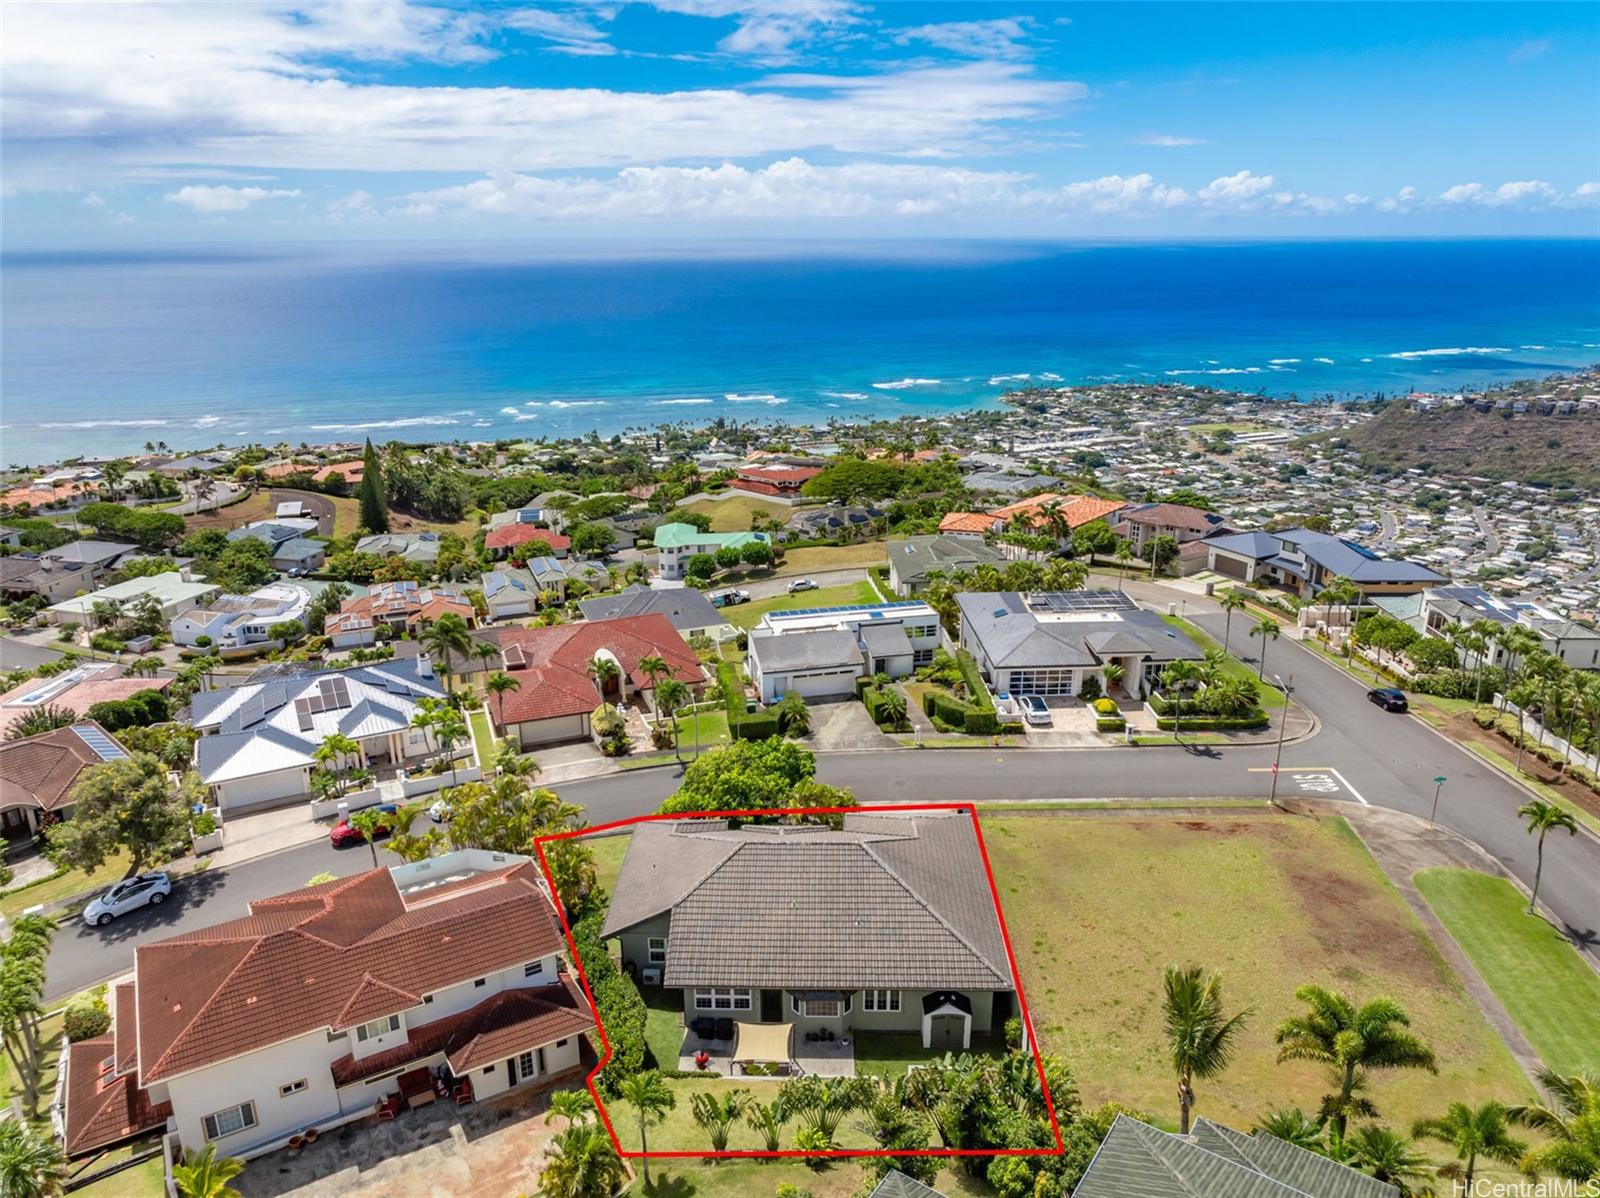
(724, 1029)
(387, 1107)
(463, 1091)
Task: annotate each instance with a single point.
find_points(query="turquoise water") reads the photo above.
(101, 353)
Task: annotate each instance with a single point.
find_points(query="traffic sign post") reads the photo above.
(1438, 784)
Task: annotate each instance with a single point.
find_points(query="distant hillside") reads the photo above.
(1546, 450)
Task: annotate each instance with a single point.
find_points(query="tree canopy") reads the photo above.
(124, 804)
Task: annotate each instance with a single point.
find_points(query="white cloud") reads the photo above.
(214, 201)
(1530, 49)
(94, 200)
(1236, 190)
(1001, 37)
(1116, 193)
(570, 31)
(1166, 140)
(107, 90)
(771, 30)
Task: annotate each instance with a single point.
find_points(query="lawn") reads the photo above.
(733, 513)
(1271, 696)
(748, 615)
(1097, 906)
(1549, 990)
(608, 854)
(744, 1178)
(663, 1025)
(482, 736)
(75, 881)
(710, 726)
(890, 1054)
(144, 1180)
(818, 558)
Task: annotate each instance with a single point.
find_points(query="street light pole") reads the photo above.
(1283, 722)
(1438, 785)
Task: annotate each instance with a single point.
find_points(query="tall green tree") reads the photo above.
(1200, 1038)
(370, 494)
(1570, 1122)
(1473, 1132)
(581, 1162)
(1351, 1041)
(498, 684)
(31, 1164)
(651, 1098)
(447, 641)
(1543, 818)
(1230, 602)
(125, 804)
(22, 978)
(1267, 629)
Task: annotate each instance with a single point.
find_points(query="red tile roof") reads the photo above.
(1078, 509)
(779, 474)
(333, 955)
(967, 522)
(104, 1107)
(501, 1026)
(41, 770)
(508, 536)
(78, 698)
(551, 663)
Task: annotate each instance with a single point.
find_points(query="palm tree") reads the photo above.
(1518, 642)
(571, 1105)
(1230, 602)
(1472, 1133)
(368, 822)
(1267, 629)
(1351, 1040)
(794, 717)
(603, 672)
(1178, 677)
(497, 684)
(893, 705)
(485, 653)
(1292, 1126)
(206, 1175)
(1200, 1038)
(649, 1095)
(1543, 818)
(1387, 1156)
(654, 667)
(583, 1163)
(1113, 674)
(718, 1113)
(444, 639)
(31, 1166)
(334, 751)
(1124, 555)
(144, 667)
(671, 695)
(1571, 1123)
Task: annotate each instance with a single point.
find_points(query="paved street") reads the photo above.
(1361, 754)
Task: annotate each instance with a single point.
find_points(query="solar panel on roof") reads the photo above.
(304, 710)
(334, 694)
(104, 747)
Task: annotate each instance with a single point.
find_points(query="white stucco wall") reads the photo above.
(256, 1077)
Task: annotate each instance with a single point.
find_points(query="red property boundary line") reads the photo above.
(971, 811)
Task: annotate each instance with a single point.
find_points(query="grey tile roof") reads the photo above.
(815, 650)
(92, 553)
(896, 1184)
(1012, 635)
(914, 557)
(684, 607)
(1136, 1160)
(886, 640)
(889, 901)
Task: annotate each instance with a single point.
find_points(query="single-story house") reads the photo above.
(258, 742)
(888, 924)
(820, 652)
(970, 524)
(102, 557)
(23, 574)
(37, 774)
(419, 547)
(1136, 1160)
(325, 1002)
(686, 609)
(677, 543)
(913, 560)
(510, 591)
(556, 697)
(832, 521)
(501, 541)
(773, 480)
(299, 553)
(75, 690)
(175, 591)
(1306, 562)
(231, 620)
(1048, 643)
(274, 532)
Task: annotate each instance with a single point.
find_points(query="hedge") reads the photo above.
(622, 1009)
(976, 691)
(1012, 728)
(1201, 723)
(1110, 724)
(755, 725)
(742, 724)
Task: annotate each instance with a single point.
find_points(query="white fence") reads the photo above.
(1557, 744)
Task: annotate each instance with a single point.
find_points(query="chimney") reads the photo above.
(424, 666)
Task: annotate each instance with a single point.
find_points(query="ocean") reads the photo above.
(100, 353)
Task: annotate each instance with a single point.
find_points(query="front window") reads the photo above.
(533, 969)
(226, 1123)
(880, 1000)
(378, 1027)
(657, 948)
(825, 1008)
(719, 998)
(525, 1065)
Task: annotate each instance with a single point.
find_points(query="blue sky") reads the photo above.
(698, 120)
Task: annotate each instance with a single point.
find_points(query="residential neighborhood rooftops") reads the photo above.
(508, 536)
(678, 536)
(969, 522)
(333, 956)
(76, 690)
(776, 652)
(168, 589)
(685, 608)
(1067, 628)
(91, 553)
(896, 900)
(40, 771)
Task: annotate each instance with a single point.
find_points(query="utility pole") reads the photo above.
(1283, 722)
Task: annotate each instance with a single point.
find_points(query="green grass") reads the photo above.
(890, 1054)
(818, 558)
(1097, 907)
(144, 1180)
(1271, 696)
(1548, 989)
(482, 737)
(608, 854)
(1125, 805)
(747, 1178)
(679, 1132)
(710, 726)
(748, 615)
(1182, 738)
(75, 881)
(733, 513)
(663, 1025)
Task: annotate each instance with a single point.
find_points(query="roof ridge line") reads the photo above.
(866, 847)
(1189, 1143)
(204, 1007)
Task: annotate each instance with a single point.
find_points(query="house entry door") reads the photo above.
(771, 1006)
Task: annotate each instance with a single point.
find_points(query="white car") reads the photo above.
(802, 584)
(1034, 710)
(128, 895)
(439, 813)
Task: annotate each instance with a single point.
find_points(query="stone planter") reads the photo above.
(355, 801)
(209, 843)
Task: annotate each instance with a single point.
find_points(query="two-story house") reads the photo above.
(327, 1004)
(677, 543)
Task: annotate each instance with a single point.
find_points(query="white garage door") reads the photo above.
(817, 685)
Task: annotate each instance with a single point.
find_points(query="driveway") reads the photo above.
(843, 724)
(319, 506)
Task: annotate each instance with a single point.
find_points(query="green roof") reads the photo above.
(676, 536)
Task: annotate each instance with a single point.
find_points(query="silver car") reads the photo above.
(130, 894)
(1035, 710)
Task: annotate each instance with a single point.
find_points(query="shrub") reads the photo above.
(203, 824)
(622, 1010)
(87, 1016)
(1105, 706)
(976, 691)
(1109, 723)
(1012, 728)
(982, 723)
(1214, 723)
(1091, 688)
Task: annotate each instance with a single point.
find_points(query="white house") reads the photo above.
(258, 741)
(175, 591)
(442, 980)
(677, 543)
(242, 619)
(821, 651)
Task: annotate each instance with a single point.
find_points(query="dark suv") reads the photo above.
(1390, 698)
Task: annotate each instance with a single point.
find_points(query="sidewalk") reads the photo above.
(245, 837)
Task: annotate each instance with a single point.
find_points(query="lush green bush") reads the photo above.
(1091, 688)
(1012, 728)
(977, 693)
(622, 1010)
(1112, 723)
(982, 723)
(1201, 723)
(1105, 706)
(87, 1016)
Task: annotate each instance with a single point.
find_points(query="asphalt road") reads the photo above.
(1360, 754)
